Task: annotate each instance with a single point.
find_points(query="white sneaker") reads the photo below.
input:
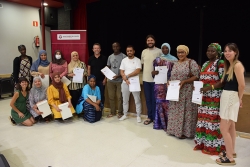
(123, 118)
(139, 119)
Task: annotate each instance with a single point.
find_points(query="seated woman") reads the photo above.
(92, 110)
(37, 94)
(58, 93)
(19, 112)
(41, 66)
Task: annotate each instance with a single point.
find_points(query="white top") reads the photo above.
(130, 65)
(147, 58)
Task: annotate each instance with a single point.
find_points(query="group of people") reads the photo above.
(211, 124)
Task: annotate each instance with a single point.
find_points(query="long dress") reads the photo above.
(25, 65)
(20, 104)
(53, 98)
(182, 115)
(208, 137)
(161, 110)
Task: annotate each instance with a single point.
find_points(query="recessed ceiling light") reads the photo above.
(45, 4)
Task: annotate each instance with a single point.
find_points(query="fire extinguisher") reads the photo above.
(36, 41)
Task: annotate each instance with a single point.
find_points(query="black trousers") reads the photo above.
(75, 94)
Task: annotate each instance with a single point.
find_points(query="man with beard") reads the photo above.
(130, 67)
(114, 85)
(147, 57)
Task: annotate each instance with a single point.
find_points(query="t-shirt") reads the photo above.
(96, 64)
(130, 65)
(114, 61)
(147, 58)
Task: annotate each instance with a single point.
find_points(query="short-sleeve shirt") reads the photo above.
(96, 64)
(114, 61)
(130, 65)
(147, 58)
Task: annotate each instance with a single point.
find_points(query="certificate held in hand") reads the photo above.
(66, 111)
(108, 73)
(65, 80)
(197, 95)
(134, 85)
(173, 90)
(162, 76)
(43, 107)
(78, 77)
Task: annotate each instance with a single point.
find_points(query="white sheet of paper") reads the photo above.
(197, 95)
(108, 73)
(92, 98)
(78, 77)
(162, 77)
(134, 85)
(65, 80)
(45, 81)
(43, 106)
(66, 112)
(173, 90)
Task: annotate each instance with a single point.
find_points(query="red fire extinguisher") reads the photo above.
(36, 41)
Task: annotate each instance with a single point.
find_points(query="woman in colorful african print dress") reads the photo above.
(22, 65)
(161, 110)
(208, 137)
(182, 114)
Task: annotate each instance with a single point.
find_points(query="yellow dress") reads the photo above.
(53, 98)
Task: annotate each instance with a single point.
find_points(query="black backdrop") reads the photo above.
(178, 22)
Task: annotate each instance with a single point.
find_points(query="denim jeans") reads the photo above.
(150, 98)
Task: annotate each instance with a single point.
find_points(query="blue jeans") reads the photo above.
(102, 90)
(150, 98)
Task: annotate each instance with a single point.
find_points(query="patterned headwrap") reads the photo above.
(91, 76)
(217, 47)
(183, 47)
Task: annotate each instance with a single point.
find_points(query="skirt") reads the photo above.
(229, 105)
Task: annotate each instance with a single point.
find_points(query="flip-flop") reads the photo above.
(147, 122)
(110, 115)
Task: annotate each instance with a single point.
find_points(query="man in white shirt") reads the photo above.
(147, 57)
(130, 67)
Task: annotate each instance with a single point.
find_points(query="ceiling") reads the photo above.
(37, 3)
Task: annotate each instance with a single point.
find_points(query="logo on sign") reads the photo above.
(68, 36)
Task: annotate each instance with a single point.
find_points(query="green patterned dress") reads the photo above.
(20, 104)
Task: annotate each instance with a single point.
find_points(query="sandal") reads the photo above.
(147, 121)
(119, 116)
(12, 120)
(110, 115)
(224, 154)
(225, 161)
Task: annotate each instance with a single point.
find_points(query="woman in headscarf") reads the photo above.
(37, 94)
(160, 89)
(41, 66)
(22, 65)
(182, 114)
(58, 65)
(58, 93)
(19, 112)
(92, 108)
(75, 89)
(208, 137)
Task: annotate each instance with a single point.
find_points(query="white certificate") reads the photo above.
(78, 77)
(65, 80)
(43, 106)
(66, 111)
(45, 81)
(162, 76)
(173, 90)
(92, 98)
(108, 73)
(197, 95)
(134, 85)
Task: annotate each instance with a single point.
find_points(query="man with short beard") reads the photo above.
(147, 57)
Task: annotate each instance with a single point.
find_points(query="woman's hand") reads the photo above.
(182, 83)
(205, 89)
(70, 105)
(155, 72)
(39, 112)
(97, 107)
(241, 104)
(41, 75)
(35, 107)
(21, 115)
(71, 74)
(57, 109)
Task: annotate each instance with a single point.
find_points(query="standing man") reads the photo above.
(114, 85)
(95, 64)
(147, 57)
(130, 67)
